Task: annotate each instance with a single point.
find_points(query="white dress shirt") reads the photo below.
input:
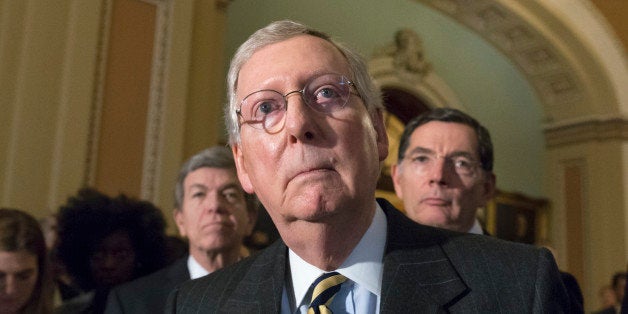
(477, 228)
(196, 270)
(361, 292)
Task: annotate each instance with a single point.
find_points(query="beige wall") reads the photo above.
(126, 84)
(204, 125)
(113, 93)
(588, 180)
(46, 82)
(615, 13)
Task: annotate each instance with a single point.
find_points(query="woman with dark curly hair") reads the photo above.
(105, 241)
(25, 285)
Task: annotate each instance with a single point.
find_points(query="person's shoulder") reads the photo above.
(501, 258)
(148, 293)
(567, 276)
(267, 256)
(492, 266)
(410, 231)
(219, 283)
(159, 276)
(494, 246)
(152, 284)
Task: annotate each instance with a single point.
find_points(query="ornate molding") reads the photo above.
(407, 53)
(154, 126)
(155, 118)
(547, 68)
(402, 64)
(97, 95)
(601, 129)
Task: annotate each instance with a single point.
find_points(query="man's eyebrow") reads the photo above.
(197, 186)
(27, 271)
(230, 185)
(423, 150)
(419, 149)
(21, 272)
(461, 153)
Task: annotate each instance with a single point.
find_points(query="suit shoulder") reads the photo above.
(158, 277)
(496, 248)
(232, 273)
(213, 291)
(150, 288)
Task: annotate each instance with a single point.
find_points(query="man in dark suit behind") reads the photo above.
(307, 131)
(444, 170)
(213, 213)
(444, 173)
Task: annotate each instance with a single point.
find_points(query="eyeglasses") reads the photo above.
(423, 162)
(266, 109)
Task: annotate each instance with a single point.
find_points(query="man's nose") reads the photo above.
(439, 171)
(299, 118)
(9, 286)
(214, 202)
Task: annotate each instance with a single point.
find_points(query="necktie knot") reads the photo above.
(325, 288)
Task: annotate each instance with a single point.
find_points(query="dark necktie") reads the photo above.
(325, 288)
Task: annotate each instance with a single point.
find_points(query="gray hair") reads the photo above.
(280, 31)
(214, 157)
(485, 145)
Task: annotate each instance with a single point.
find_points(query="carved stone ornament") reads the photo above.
(407, 52)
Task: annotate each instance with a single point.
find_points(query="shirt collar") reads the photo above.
(477, 228)
(196, 270)
(363, 266)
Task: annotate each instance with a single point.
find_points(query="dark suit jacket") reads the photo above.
(573, 288)
(149, 293)
(608, 310)
(426, 270)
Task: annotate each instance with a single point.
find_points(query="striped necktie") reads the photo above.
(325, 288)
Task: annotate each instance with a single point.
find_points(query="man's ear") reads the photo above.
(380, 130)
(395, 173)
(177, 215)
(243, 174)
(489, 187)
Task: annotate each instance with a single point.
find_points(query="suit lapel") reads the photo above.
(264, 281)
(178, 272)
(418, 275)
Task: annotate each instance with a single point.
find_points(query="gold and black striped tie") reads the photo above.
(325, 288)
